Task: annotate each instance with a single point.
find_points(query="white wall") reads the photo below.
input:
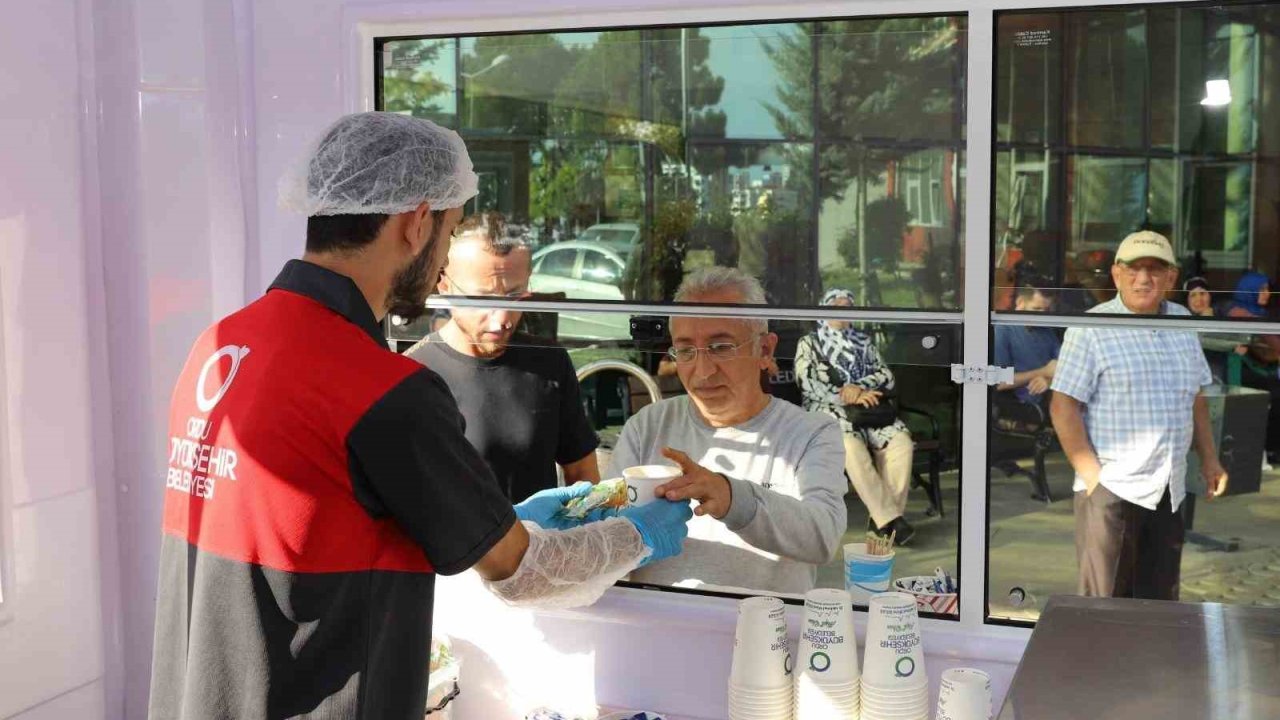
(123, 233)
(51, 625)
(173, 140)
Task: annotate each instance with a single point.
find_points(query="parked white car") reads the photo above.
(583, 270)
(619, 237)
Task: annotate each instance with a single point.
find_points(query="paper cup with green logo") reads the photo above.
(894, 657)
(761, 653)
(828, 651)
(642, 480)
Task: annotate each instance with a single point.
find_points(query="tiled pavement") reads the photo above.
(1032, 543)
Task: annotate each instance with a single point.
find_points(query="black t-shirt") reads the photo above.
(523, 409)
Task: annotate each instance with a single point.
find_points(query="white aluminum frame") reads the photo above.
(972, 636)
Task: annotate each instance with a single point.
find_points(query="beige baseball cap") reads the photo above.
(1145, 244)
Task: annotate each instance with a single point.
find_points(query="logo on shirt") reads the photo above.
(237, 353)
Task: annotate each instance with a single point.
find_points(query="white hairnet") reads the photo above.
(571, 568)
(380, 163)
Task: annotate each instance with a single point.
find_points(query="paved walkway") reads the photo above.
(1032, 544)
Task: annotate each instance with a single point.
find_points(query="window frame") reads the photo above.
(366, 64)
(976, 197)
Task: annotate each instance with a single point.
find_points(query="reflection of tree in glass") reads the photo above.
(566, 184)
(413, 81)
(512, 96)
(887, 219)
(680, 77)
(655, 271)
(591, 84)
(880, 82)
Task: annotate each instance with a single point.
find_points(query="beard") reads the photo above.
(411, 286)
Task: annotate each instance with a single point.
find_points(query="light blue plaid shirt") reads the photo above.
(1138, 387)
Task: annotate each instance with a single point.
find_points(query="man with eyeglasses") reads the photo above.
(767, 475)
(520, 397)
(1127, 406)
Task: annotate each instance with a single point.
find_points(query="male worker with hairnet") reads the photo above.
(317, 482)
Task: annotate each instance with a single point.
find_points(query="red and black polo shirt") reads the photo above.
(316, 483)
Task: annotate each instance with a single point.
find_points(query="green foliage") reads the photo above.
(887, 220)
(412, 79)
(881, 78)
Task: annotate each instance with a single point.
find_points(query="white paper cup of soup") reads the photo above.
(643, 480)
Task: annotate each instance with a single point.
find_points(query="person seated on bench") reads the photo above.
(838, 366)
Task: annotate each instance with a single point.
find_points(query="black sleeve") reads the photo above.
(410, 460)
(577, 437)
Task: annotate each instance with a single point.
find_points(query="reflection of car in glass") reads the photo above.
(618, 237)
(583, 270)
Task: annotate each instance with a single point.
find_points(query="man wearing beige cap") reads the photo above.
(1127, 405)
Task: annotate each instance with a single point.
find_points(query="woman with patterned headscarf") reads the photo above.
(837, 366)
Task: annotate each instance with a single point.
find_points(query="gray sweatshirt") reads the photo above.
(786, 470)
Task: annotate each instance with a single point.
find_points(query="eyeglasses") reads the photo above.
(716, 351)
(1150, 270)
(459, 290)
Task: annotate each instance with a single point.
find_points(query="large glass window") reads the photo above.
(1113, 120)
(808, 154)
(817, 155)
(1109, 121)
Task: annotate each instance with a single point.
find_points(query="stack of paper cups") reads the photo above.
(895, 685)
(827, 678)
(965, 694)
(760, 686)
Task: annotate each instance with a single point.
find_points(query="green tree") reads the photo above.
(509, 83)
(417, 78)
(891, 78)
(887, 219)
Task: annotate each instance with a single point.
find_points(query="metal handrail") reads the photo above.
(650, 386)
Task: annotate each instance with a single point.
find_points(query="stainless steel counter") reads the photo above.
(1098, 659)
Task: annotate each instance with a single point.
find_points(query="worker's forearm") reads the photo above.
(503, 559)
(1068, 423)
(1205, 446)
(575, 567)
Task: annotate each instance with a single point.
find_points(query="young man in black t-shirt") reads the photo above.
(520, 397)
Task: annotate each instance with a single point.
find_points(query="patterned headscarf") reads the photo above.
(847, 350)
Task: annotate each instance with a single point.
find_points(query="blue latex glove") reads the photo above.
(662, 526)
(544, 507)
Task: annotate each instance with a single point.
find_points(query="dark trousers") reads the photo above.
(1271, 384)
(1126, 550)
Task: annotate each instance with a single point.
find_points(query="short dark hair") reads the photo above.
(499, 237)
(337, 233)
(1033, 285)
